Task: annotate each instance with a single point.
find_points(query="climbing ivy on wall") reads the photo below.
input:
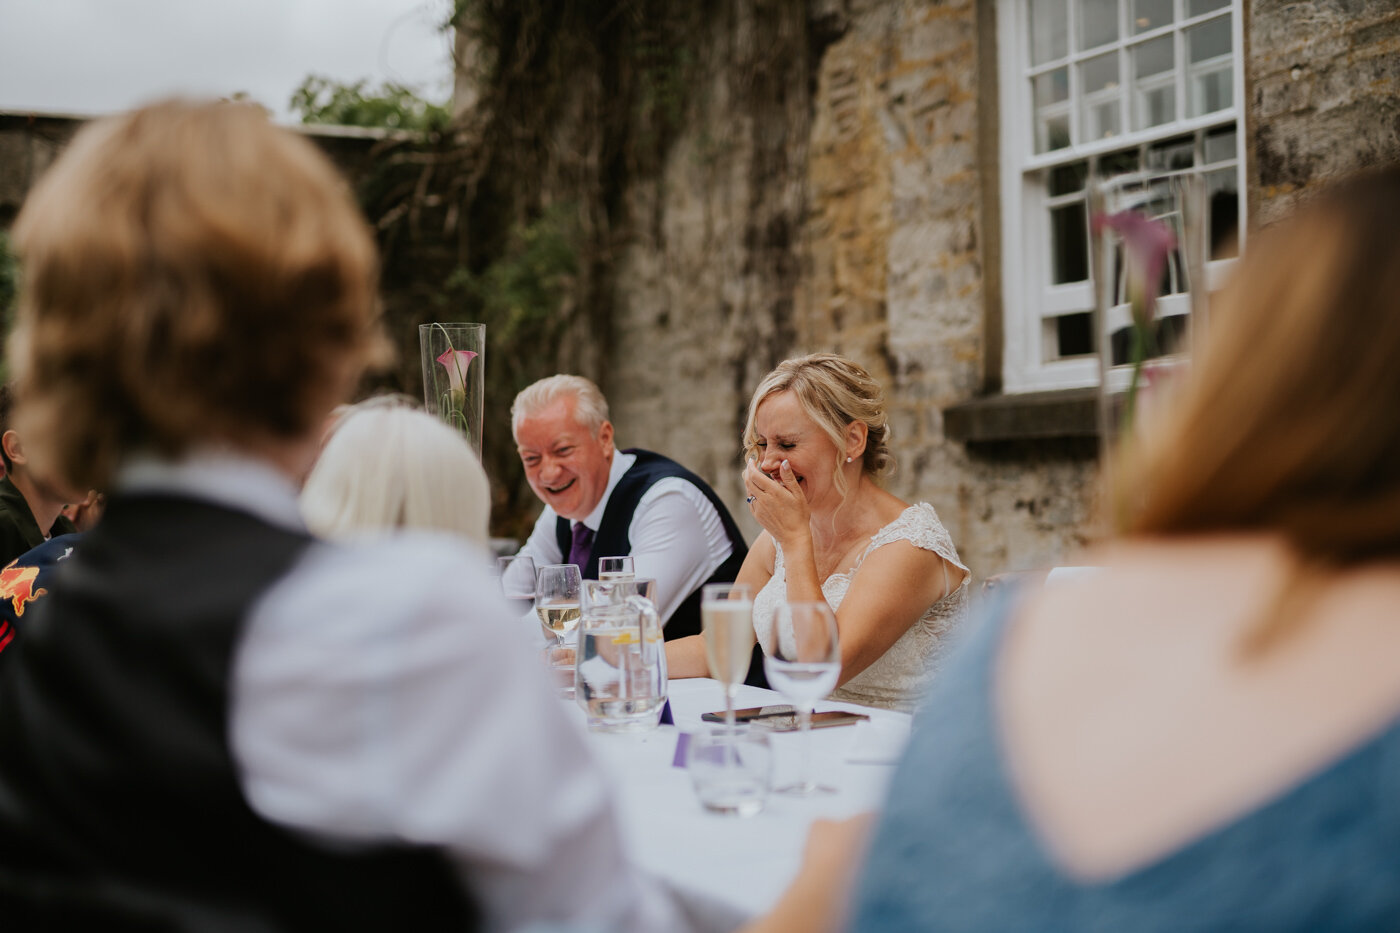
(513, 214)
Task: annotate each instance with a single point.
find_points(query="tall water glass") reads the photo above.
(517, 576)
(454, 375)
(804, 666)
(616, 568)
(726, 617)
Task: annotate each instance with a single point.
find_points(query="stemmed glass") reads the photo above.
(804, 666)
(616, 568)
(517, 576)
(559, 605)
(726, 616)
(558, 591)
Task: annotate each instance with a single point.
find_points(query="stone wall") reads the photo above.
(867, 181)
(897, 243)
(28, 145)
(1324, 94)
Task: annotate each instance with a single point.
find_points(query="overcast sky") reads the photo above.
(100, 56)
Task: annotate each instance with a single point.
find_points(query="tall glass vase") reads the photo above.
(454, 375)
(1148, 257)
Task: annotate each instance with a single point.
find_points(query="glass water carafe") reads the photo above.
(620, 673)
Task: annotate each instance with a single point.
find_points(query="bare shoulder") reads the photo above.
(759, 565)
(1160, 631)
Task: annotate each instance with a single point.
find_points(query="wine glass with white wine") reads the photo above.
(804, 666)
(726, 615)
(558, 603)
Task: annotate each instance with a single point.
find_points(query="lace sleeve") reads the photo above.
(919, 525)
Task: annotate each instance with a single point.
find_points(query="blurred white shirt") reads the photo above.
(379, 693)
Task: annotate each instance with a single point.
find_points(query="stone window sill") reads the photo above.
(1030, 416)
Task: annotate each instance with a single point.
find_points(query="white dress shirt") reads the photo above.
(677, 536)
(379, 694)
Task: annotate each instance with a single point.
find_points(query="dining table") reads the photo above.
(724, 868)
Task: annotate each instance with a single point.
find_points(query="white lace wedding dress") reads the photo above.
(898, 678)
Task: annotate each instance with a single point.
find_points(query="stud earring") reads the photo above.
(848, 459)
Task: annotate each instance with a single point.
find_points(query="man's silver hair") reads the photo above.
(590, 408)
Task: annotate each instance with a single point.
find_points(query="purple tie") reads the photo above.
(581, 548)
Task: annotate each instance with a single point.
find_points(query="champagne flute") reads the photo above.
(726, 616)
(804, 667)
(558, 591)
(616, 568)
(517, 576)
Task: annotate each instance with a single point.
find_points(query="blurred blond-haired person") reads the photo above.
(390, 466)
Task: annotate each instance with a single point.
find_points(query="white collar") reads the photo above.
(621, 463)
(220, 475)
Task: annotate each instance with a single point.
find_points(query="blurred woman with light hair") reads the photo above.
(387, 466)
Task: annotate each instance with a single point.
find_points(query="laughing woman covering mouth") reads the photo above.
(817, 439)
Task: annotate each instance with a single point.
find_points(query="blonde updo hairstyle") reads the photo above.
(834, 392)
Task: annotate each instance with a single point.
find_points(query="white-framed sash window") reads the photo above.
(1096, 89)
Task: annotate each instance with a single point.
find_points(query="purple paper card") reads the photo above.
(682, 747)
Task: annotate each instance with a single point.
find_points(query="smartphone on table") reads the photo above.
(784, 718)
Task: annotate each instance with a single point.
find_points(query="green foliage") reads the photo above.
(321, 100)
(520, 294)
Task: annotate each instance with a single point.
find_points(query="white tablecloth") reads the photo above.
(731, 865)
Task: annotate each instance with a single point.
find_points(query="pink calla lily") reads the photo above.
(1146, 245)
(456, 362)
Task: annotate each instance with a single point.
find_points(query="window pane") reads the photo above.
(1221, 145)
(1211, 91)
(1149, 14)
(1210, 73)
(1100, 113)
(1102, 121)
(1049, 27)
(1069, 244)
(1153, 57)
(1154, 87)
(1099, 74)
(1118, 163)
(1051, 87)
(1222, 191)
(1208, 40)
(1052, 133)
(1172, 154)
(1170, 334)
(1154, 106)
(1098, 22)
(1074, 334)
(1197, 7)
(1067, 179)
